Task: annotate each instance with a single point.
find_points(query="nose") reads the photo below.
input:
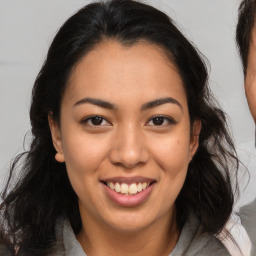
(129, 148)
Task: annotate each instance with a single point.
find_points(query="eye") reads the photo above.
(160, 121)
(96, 121)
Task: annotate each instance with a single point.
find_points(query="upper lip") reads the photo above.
(128, 180)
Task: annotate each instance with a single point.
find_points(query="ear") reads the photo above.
(194, 139)
(56, 138)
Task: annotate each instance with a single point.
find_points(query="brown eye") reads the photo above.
(96, 121)
(159, 120)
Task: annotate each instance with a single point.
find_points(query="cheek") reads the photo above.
(172, 152)
(83, 156)
(82, 149)
(174, 160)
(172, 156)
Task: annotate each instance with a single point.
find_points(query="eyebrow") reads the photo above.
(159, 102)
(97, 102)
(146, 106)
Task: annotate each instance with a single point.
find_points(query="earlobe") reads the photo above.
(56, 138)
(59, 157)
(194, 139)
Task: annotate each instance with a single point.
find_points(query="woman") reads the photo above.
(130, 156)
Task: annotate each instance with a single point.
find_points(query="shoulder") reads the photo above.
(204, 244)
(66, 242)
(212, 247)
(194, 242)
(235, 237)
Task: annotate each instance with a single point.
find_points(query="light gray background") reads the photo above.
(27, 28)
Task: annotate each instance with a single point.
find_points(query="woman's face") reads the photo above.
(125, 135)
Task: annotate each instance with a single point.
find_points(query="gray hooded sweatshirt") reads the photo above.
(191, 241)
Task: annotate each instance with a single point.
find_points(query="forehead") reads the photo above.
(112, 70)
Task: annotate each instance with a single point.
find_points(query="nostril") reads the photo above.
(128, 155)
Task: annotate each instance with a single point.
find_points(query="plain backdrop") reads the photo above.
(27, 28)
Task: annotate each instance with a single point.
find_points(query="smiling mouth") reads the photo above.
(128, 189)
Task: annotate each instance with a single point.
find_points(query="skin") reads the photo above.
(250, 79)
(127, 143)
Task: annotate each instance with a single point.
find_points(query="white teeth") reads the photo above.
(111, 185)
(117, 187)
(133, 189)
(139, 188)
(144, 185)
(126, 189)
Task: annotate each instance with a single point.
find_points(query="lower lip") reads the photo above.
(131, 200)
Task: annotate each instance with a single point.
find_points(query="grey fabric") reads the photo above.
(247, 214)
(191, 242)
(67, 244)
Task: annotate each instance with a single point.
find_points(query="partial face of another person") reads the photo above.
(250, 80)
(125, 135)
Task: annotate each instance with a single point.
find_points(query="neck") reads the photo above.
(158, 239)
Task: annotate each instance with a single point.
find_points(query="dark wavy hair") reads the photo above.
(41, 191)
(245, 24)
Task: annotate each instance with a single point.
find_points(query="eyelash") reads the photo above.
(169, 120)
(89, 119)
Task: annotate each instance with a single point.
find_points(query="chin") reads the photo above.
(129, 222)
